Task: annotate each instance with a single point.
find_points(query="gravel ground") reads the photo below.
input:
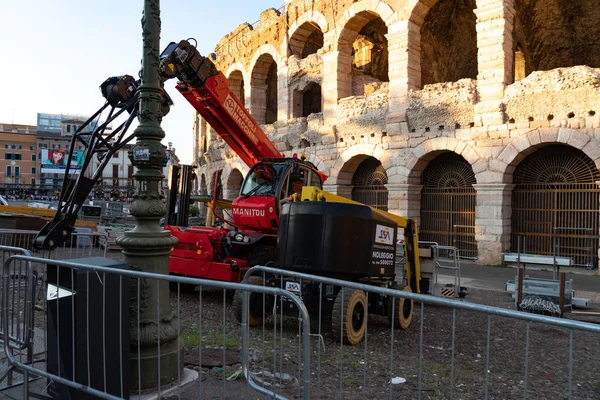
(364, 370)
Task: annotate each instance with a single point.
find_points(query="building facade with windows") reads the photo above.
(117, 180)
(463, 115)
(19, 170)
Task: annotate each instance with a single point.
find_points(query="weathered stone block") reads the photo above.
(592, 149)
(579, 138)
(539, 124)
(548, 135)
(592, 122)
(509, 154)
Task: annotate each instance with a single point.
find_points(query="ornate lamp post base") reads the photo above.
(151, 316)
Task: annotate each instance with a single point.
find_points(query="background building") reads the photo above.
(464, 115)
(117, 181)
(18, 161)
(54, 132)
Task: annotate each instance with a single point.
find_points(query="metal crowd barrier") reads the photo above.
(432, 358)
(203, 317)
(81, 244)
(23, 283)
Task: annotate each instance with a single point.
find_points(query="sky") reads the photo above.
(56, 53)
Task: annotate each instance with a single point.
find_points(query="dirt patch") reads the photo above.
(367, 370)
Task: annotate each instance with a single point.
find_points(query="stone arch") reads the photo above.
(202, 190)
(349, 160)
(237, 66)
(448, 42)
(308, 28)
(556, 200)
(368, 56)
(515, 152)
(420, 156)
(219, 185)
(551, 34)
(233, 184)
(236, 84)
(263, 87)
(363, 178)
(202, 186)
(418, 12)
(381, 8)
(368, 184)
(313, 17)
(262, 50)
(447, 202)
(316, 160)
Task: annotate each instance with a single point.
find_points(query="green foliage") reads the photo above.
(194, 211)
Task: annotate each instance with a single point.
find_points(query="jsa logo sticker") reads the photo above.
(384, 234)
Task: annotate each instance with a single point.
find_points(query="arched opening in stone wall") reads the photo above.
(204, 132)
(234, 184)
(449, 42)
(216, 190)
(202, 191)
(448, 201)
(306, 40)
(363, 47)
(369, 182)
(264, 90)
(550, 34)
(236, 84)
(556, 203)
(307, 101)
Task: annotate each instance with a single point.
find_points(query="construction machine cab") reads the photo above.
(268, 183)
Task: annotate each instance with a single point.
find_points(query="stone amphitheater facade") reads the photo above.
(445, 109)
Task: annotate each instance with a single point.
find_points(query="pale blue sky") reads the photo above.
(57, 52)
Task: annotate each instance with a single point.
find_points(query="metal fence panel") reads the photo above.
(23, 282)
(453, 349)
(203, 317)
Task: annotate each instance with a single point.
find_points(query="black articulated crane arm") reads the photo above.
(121, 94)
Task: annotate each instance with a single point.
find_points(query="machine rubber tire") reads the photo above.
(238, 301)
(403, 310)
(350, 321)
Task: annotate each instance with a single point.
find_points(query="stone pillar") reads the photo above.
(283, 96)
(405, 200)
(335, 84)
(495, 58)
(404, 49)
(340, 190)
(493, 214)
(598, 264)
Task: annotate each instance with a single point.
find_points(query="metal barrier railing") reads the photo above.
(371, 368)
(448, 258)
(23, 282)
(195, 317)
(80, 244)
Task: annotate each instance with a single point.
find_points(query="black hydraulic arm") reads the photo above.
(121, 94)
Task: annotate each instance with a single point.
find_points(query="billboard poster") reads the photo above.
(54, 161)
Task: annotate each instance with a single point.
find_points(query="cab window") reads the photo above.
(262, 180)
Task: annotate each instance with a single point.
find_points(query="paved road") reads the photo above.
(585, 283)
(495, 278)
